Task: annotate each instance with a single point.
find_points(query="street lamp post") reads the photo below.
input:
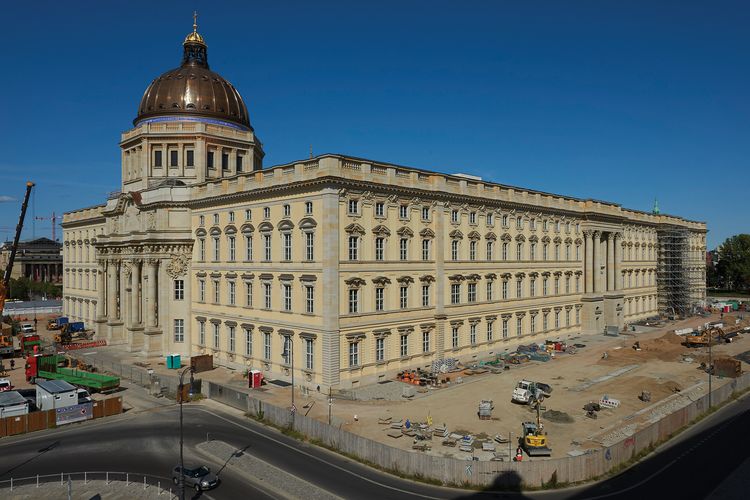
(180, 390)
(289, 353)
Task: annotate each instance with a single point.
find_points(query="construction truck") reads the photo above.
(7, 344)
(29, 343)
(71, 331)
(52, 367)
(712, 335)
(533, 439)
(528, 392)
(57, 323)
(5, 278)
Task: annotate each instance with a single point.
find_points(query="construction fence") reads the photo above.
(40, 420)
(506, 474)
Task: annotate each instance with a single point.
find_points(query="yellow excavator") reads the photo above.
(7, 342)
(714, 335)
(534, 439)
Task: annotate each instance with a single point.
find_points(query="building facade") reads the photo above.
(38, 260)
(343, 269)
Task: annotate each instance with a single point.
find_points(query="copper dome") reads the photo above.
(193, 90)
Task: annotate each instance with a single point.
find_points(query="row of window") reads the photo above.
(287, 295)
(354, 208)
(247, 250)
(173, 156)
(286, 208)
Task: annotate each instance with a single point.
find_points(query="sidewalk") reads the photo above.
(115, 490)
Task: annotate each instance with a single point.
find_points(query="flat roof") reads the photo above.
(11, 398)
(55, 386)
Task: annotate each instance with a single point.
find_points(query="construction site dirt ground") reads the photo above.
(659, 368)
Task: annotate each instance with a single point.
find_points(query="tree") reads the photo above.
(734, 262)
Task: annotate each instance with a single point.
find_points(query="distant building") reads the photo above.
(38, 260)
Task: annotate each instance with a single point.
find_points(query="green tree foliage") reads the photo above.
(734, 262)
(25, 289)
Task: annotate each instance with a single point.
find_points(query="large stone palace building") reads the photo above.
(38, 260)
(355, 267)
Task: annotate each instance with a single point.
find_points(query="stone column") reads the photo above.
(610, 262)
(618, 261)
(588, 263)
(100, 292)
(135, 282)
(111, 290)
(597, 261)
(151, 266)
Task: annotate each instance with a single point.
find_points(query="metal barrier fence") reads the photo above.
(162, 485)
(504, 474)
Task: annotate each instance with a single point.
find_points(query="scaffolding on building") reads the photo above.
(673, 278)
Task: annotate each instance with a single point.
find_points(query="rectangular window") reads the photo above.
(519, 289)
(505, 328)
(472, 295)
(567, 317)
(472, 218)
(217, 249)
(267, 295)
(519, 251)
(557, 252)
(379, 209)
(425, 213)
(578, 316)
(238, 163)
(490, 250)
(425, 341)
(353, 248)
(308, 208)
(403, 248)
(216, 335)
(578, 283)
(379, 349)
(202, 220)
(266, 346)
(179, 330)
(210, 159)
(404, 345)
(201, 290)
(231, 216)
(532, 251)
(505, 289)
(248, 342)
(545, 322)
(379, 298)
(201, 333)
(425, 295)
(267, 247)
(232, 339)
(505, 250)
(217, 292)
(309, 299)
(287, 297)
(287, 237)
(490, 220)
(544, 286)
(404, 297)
(353, 207)
(454, 250)
(490, 289)
(505, 221)
(532, 287)
(454, 336)
(232, 293)
(519, 223)
(567, 284)
(489, 330)
(425, 249)
(403, 212)
(248, 248)
(179, 289)
(533, 324)
(454, 216)
(557, 286)
(309, 353)
(472, 250)
(310, 246)
(157, 158)
(353, 353)
(532, 224)
(519, 326)
(287, 210)
(225, 161)
(353, 301)
(173, 158)
(216, 219)
(557, 319)
(473, 333)
(248, 294)
(266, 212)
(189, 158)
(232, 248)
(455, 293)
(379, 248)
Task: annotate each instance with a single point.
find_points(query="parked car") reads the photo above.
(27, 328)
(5, 385)
(201, 478)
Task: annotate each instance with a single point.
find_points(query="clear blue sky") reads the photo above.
(620, 101)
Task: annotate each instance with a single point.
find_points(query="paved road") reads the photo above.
(146, 442)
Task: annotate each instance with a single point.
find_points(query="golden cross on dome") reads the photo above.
(195, 21)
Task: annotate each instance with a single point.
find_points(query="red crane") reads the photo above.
(54, 220)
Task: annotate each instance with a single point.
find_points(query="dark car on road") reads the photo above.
(200, 478)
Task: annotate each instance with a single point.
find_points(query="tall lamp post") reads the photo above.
(289, 353)
(180, 389)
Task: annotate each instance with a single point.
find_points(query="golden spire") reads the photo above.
(195, 37)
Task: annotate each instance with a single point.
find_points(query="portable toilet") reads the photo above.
(255, 379)
(176, 361)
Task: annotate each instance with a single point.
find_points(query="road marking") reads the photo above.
(293, 448)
